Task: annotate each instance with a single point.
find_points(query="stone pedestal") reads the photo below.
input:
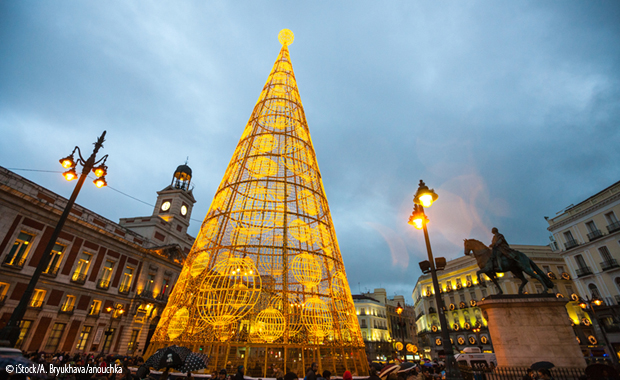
(526, 329)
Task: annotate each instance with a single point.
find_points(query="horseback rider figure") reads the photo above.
(500, 246)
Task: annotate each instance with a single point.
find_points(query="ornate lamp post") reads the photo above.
(11, 331)
(117, 309)
(588, 304)
(425, 197)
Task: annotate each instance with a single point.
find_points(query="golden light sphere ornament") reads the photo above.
(270, 324)
(286, 37)
(229, 291)
(265, 275)
(306, 269)
(399, 346)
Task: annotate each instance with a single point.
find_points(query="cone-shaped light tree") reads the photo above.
(264, 284)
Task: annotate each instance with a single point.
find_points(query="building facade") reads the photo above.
(384, 329)
(461, 293)
(587, 236)
(105, 285)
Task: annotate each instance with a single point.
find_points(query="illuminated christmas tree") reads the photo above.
(264, 284)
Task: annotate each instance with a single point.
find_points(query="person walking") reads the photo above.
(239, 374)
(311, 373)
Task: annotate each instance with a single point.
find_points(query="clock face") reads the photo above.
(165, 206)
(183, 210)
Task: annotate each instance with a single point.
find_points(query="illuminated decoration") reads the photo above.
(578, 340)
(434, 328)
(551, 275)
(463, 305)
(456, 327)
(473, 303)
(452, 306)
(265, 269)
(585, 321)
(459, 286)
(461, 340)
(399, 346)
(472, 340)
(484, 340)
(559, 295)
(469, 284)
(592, 339)
(412, 348)
(438, 342)
(565, 276)
(466, 326)
(574, 297)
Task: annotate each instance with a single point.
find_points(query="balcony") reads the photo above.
(124, 288)
(36, 305)
(14, 262)
(103, 284)
(593, 235)
(609, 264)
(570, 244)
(162, 297)
(52, 272)
(615, 226)
(66, 310)
(148, 294)
(78, 278)
(93, 313)
(584, 271)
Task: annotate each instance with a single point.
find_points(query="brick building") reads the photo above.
(107, 282)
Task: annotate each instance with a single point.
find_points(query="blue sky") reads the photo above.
(508, 109)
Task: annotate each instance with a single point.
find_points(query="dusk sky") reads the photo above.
(510, 110)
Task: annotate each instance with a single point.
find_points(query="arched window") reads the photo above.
(594, 291)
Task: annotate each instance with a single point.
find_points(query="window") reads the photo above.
(95, 307)
(364, 323)
(24, 328)
(472, 295)
(591, 226)
(569, 290)
(164, 286)
(484, 293)
(560, 269)
(133, 341)
(364, 335)
(82, 268)
(539, 288)
(605, 254)
(55, 259)
(569, 236)
(594, 291)
(19, 251)
(4, 288)
(69, 303)
(580, 261)
(54, 338)
(86, 330)
(106, 274)
(363, 312)
(126, 281)
(108, 340)
(38, 296)
(149, 283)
(611, 218)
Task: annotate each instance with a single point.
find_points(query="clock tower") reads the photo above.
(173, 209)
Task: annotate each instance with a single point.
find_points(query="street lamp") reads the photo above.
(117, 309)
(587, 305)
(425, 197)
(10, 332)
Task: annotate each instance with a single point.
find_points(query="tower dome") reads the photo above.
(182, 177)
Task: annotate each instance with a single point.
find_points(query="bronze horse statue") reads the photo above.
(483, 254)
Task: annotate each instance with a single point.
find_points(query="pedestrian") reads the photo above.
(311, 373)
(530, 375)
(277, 374)
(222, 374)
(544, 374)
(239, 374)
(291, 376)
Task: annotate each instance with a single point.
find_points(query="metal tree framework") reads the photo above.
(264, 284)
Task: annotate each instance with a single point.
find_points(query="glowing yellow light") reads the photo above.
(418, 223)
(399, 346)
(426, 200)
(70, 174)
(100, 182)
(66, 163)
(286, 37)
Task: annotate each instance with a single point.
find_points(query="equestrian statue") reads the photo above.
(500, 258)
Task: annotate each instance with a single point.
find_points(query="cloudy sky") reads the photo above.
(508, 109)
